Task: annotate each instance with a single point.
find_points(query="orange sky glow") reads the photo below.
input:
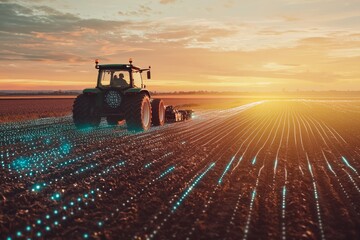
(214, 45)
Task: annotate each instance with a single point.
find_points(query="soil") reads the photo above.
(240, 169)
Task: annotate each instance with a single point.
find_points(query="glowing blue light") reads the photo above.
(56, 196)
(48, 228)
(253, 194)
(100, 224)
(56, 212)
(18, 234)
(310, 169)
(226, 170)
(56, 223)
(284, 191)
(283, 206)
(247, 225)
(65, 148)
(38, 234)
(86, 235)
(21, 164)
(38, 187)
(38, 221)
(348, 164)
(275, 165)
(28, 228)
(169, 170)
(329, 166)
(253, 161)
(192, 186)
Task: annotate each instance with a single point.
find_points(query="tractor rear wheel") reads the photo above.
(113, 120)
(84, 114)
(158, 112)
(138, 112)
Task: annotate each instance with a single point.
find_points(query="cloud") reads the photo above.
(20, 19)
(273, 66)
(44, 34)
(277, 53)
(142, 10)
(345, 53)
(306, 1)
(229, 3)
(189, 34)
(290, 18)
(167, 1)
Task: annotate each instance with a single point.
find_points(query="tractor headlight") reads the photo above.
(113, 99)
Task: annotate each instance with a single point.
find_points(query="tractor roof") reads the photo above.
(125, 67)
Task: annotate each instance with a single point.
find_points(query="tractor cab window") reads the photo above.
(137, 79)
(113, 78)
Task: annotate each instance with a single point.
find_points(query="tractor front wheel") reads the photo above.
(84, 114)
(158, 112)
(138, 112)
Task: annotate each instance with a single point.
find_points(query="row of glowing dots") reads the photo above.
(193, 181)
(40, 186)
(84, 198)
(36, 161)
(56, 196)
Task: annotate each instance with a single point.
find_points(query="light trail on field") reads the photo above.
(251, 206)
(154, 232)
(227, 169)
(344, 191)
(278, 150)
(316, 196)
(210, 198)
(348, 164)
(265, 169)
(192, 186)
(283, 209)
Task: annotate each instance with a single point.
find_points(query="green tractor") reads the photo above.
(117, 98)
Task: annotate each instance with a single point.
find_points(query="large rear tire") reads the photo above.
(84, 114)
(158, 112)
(138, 112)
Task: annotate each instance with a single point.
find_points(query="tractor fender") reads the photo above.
(134, 91)
(91, 91)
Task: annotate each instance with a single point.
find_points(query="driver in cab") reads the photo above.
(119, 81)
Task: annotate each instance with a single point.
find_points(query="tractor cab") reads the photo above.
(122, 76)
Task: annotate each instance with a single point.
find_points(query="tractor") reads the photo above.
(120, 94)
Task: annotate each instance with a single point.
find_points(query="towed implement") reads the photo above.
(172, 114)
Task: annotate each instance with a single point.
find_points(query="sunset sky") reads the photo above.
(215, 45)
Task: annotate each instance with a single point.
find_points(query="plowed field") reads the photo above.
(272, 169)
